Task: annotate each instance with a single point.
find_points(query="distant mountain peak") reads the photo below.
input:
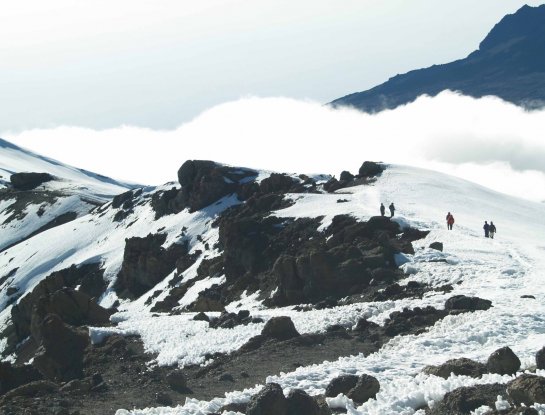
(509, 64)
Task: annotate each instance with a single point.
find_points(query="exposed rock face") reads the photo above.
(89, 277)
(504, 65)
(269, 401)
(280, 328)
(29, 181)
(466, 399)
(503, 362)
(461, 302)
(60, 355)
(459, 367)
(527, 389)
(73, 307)
(145, 263)
(204, 182)
(341, 384)
(299, 402)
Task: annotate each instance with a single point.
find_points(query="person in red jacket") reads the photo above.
(450, 221)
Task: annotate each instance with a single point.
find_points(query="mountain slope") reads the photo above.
(510, 64)
(221, 243)
(27, 207)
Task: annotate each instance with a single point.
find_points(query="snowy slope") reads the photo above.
(73, 193)
(500, 270)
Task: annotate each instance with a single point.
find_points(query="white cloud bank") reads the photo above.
(484, 140)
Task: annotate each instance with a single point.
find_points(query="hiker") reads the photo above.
(486, 228)
(450, 221)
(382, 209)
(392, 209)
(492, 229)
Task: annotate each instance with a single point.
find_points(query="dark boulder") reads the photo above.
(280, 328)
(370, 169)
(412, 321)
(462, 302)
(123, 199)
(29, 181)
(299, 402)
(540, 359)
(503, 362)
(13, 376)
(366, 388)
(365, 325)
(146, 263)
(61, 352)
(278, 183)
(466, 399)
(341, 384)
(459, 367)
(527, 389)
(346, 176)
(438, 246)
(269, 401)
(333, 185)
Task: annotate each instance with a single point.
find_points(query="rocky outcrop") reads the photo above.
(527, 389)
(61, 351)
(458, 367)
(540, 359)
(358, 388)
(13, 376)
(466, 399)
(29, 181)
(370, 169)
(145, 263)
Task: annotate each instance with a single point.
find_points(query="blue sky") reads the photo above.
(158, 64)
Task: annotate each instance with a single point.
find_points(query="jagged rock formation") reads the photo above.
(508, 64)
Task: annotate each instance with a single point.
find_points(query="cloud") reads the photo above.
(483, 140)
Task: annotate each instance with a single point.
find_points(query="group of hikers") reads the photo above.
(489, 229)
(391, 207)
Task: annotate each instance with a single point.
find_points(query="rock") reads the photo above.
(61, 352)
(177, 381)
(234, 407)
(411, 321)
(12, 376)
(527, 389)
(226, 377)
(462, 302)
(122, 199)
(341, 384)
(528, 296)
(503, 362)
(280, 328)
(346, 176)
(78, 386)
(72, 307)
(277, 183)
(332, 185)
(466, 399)
(163, 398)
(299, 402)
(370, 169)
(438, 246)
(540, 359)
(365, 325)
(29, 181)
(201, 317)
(37, 388)
(146, 263)
(366, 388)
(12, 290)
(269, 401)
(459, 367)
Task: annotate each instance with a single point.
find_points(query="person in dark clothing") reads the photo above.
(492, 229)
(392, 209)
(450, 221)
(486, 228)
(382, 209)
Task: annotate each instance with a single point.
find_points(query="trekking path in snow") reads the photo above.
(501, 270)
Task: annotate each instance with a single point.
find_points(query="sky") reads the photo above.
(131, 89)
(160, 63)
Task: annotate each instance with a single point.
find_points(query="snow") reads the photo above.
(501, 270)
